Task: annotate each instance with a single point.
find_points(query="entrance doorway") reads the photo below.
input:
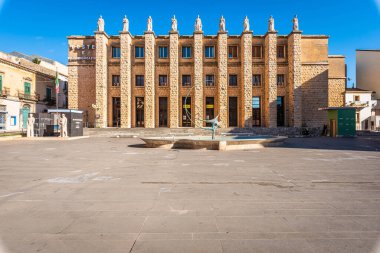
(256, 112)
(232, 111)
(186, 111)
(139, 111)
(280, 112)
(25, 114)
(115, 111)
(209, 109)
(163, 111)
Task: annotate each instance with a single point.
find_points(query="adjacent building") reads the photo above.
(27, 87)
(175, 80)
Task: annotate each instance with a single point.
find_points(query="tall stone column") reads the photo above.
(149, 99)
(125, 79)
(101, 68)
(222, 79)
(73, 87)
(295, 79)
(198, 78)
(246, 75)
(270, 103)
(173, 79)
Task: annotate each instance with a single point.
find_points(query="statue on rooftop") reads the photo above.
(198, 24)
(149, 24)
(100, 24)
(271, 24)
(174, 24)
(125, 24)
(246, 24)
(222, 24)
(295, 24)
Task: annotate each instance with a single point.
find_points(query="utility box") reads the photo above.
(341, 121)
(74, 121)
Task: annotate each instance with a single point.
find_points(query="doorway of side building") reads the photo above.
(163, 111)
(186, 111)
(232, 111)
(209, 109)
(256, 111)
(116, 111)
(25, 114)
(280, 112)
(139, 111)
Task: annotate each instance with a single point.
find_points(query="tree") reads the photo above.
(36, 61)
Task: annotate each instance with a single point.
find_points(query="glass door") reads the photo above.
(232, 112)
(139, 112)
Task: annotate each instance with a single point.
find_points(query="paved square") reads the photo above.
(110, 195)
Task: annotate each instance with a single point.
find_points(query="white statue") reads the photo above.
(271, 24)
(149, 24)
(30, 126)
(174, 24)
(100, 24)
(222, 24)
(63, 123)
(198, 24)
(246, 24)
(295, 23)
(125, 24)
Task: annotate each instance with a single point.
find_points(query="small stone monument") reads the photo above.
(295, 24)
(246, 24)
(149, 26)
(271, 24)
(125, 24)
(100, 24)
(30, 126)
(222, 24)
(198, 24)
(174, 24)
(63, 123)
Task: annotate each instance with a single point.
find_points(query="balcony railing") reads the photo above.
(357, 103)
(30, 97)
(4, 92)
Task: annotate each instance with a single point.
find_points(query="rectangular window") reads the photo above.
(186, 80)
(115, 80)
(139, 52)
(209, 109)
(163, 52)
(256, 80)
(27, 88)
(357, 98)
(281, 52)
(48, 93)
(256, 112)
(257, 52)
(115, 52)
(186, 52)
(280, 79)
(210, 80)
(210, 52)
(232, 51)
(232, 80)
(140, 80)
(162, 80)
(13, 121)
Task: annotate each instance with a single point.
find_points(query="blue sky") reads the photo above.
(41, 26)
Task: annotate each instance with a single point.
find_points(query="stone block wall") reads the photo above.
(295, 80)
(174, 80)
(246, 84)
(270, 105)
(198, 79)
(149, 103)
(125, 80)
(101, 67)
(222, 79)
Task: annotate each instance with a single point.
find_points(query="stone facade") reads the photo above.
(311, 79)
(270, 106)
